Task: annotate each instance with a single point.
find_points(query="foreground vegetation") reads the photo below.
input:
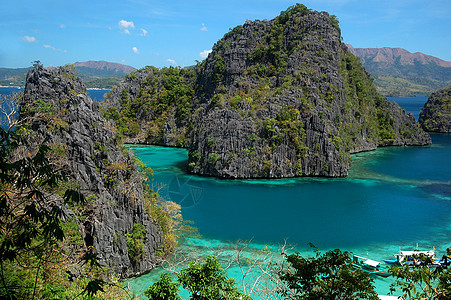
(43, 254)
(271, 274)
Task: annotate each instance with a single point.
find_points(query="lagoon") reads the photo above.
(394, 197)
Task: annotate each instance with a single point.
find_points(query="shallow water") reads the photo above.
(395, 197)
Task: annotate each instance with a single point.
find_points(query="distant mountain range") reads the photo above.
(399, 72)
(103, 68)
(95, 74)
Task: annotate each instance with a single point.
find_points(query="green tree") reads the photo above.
(325, 276)
(207, 281)
(420, 281)
(135, 242)
(164, 289)
(32, 195)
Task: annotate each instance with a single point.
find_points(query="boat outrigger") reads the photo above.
(412, 258)
(369, 266)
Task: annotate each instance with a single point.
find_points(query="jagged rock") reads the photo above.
(277, 98)
(436, 113)
(285, 98)
(57, 109)
(152, 106)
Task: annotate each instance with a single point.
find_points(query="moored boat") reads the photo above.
(413, 258)
(369, 266)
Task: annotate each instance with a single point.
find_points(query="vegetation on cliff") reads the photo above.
(75, 204)
(436, 113)
(40, 246)
(278, 98)
(153, 106)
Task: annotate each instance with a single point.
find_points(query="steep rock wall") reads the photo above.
(285, 98)
(56, 109)
(275, 98)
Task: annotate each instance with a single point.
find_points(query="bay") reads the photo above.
(411, 104)
(394, 198)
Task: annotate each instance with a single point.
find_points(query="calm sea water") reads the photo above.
(411, 104)
(393, 198)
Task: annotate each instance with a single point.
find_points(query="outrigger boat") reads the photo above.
(411, 258)
(369, 266)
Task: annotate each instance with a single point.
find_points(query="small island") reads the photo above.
(274, 99)
(436, 113)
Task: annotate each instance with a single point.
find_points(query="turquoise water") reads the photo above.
(393, 198)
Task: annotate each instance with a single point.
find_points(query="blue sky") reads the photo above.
(164, 33)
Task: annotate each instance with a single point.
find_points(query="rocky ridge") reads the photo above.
(398, 72)
(436, 113)
(397, 55)
(290, 101)
(56, 109)
(281, 98)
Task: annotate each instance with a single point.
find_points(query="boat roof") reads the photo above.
(410, 253)
(368, 261)
(371, 262)
(383, 297)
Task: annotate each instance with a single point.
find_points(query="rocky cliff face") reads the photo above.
(285, 98)
(436, 113)
(153, 106)
(280, 98)
(56, 109)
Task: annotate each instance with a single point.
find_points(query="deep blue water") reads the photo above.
(392, 195)
(411, 104)
(98, 95)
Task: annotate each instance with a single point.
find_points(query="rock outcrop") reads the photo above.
(286, 98)
(277, 98)
(153, 106)
(56, 109)
(436, 113)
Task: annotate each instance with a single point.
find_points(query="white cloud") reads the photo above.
(204, 28)
(62, 26)
(135, 50)
(54, 49)
(171, 61)
(30, 39)
(204, 53)
(125, 26)
(144, 32)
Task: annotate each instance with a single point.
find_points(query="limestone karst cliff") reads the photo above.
(56, 109)
(275, 98)
(436, 113)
